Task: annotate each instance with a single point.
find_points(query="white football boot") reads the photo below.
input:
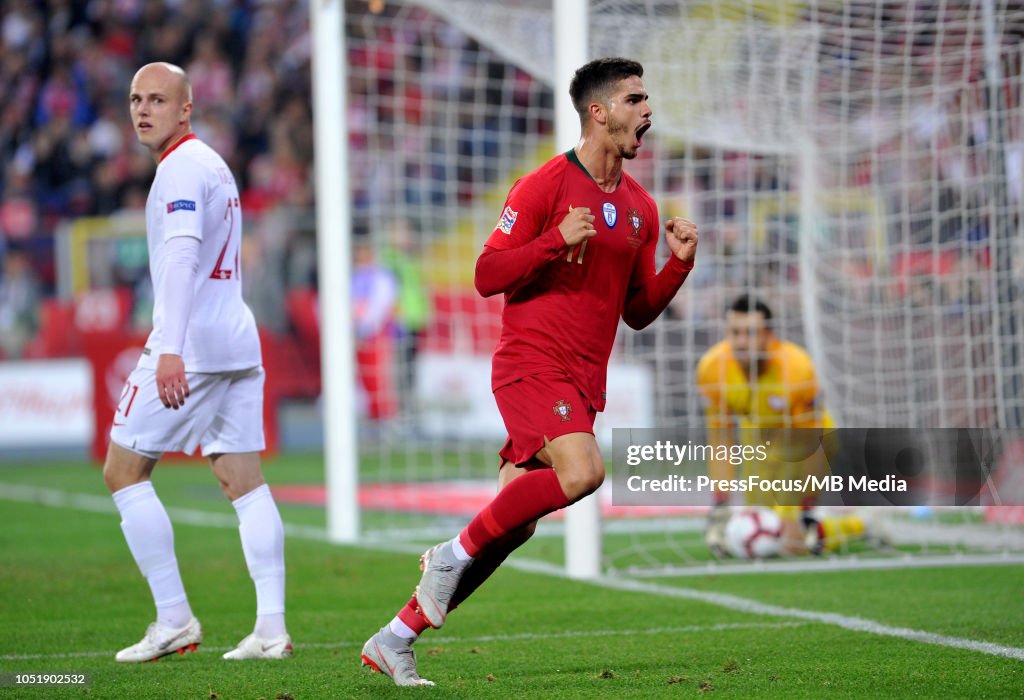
(253, 647)
(161, 640)
(387, 653)
(441, 573)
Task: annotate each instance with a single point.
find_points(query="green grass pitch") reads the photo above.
(70, 596)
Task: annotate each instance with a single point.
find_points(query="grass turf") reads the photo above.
(69, 587)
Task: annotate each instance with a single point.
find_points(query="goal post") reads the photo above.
(583, 518)
(857, 164)
(334, 241)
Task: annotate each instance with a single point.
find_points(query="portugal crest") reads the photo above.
(636, 221)
(564, 409)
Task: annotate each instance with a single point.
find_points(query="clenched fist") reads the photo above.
(578, 225)
(681, 235)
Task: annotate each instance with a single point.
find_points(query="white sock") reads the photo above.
(400, 629)
(147, 529)
(262, 534)
(174, 616)
(460, 552)
(269, 626)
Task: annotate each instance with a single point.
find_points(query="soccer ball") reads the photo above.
(754, 533)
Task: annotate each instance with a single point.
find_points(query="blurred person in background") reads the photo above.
(761, 389)
(19, 299)
(413, 311)
(374, 295)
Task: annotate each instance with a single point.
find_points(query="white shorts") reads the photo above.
(223, 413)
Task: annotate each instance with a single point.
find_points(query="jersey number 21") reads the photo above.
(219, 271)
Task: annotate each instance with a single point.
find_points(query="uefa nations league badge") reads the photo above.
(610, 214)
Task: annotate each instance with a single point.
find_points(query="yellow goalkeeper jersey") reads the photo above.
(785, 395)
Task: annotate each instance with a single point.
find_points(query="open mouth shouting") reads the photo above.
(640, 133)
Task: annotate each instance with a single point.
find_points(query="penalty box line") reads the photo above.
(92, 503)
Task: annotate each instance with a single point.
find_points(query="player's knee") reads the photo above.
(117, 479)
(582, 480)
(123, 469)
(235, 488)
(237, 474)
(112, 478)
(593, 480)
(227, 489)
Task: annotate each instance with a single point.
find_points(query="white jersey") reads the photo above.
(194, 194)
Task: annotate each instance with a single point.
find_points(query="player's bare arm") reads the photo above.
(577, 226)
(681, 235)
(171, 383)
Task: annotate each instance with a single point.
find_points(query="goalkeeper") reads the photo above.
(755, 386)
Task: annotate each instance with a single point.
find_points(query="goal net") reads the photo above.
(857, 164)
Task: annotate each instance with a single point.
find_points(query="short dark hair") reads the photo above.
(597, 78)
(747, 303)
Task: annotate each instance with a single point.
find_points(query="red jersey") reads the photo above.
(562, 305)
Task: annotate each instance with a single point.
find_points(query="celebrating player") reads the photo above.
(199, 380)
(573, 251)
(754, 383)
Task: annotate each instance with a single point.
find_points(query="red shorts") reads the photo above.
(545, 405)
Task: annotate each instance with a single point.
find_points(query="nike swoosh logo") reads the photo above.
(173, 639)
(268, 647)
(380, 655)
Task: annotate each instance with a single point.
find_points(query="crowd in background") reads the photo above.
(66, 140)
(456, 120)
(69, 151)
(65, 136)
(918, 167)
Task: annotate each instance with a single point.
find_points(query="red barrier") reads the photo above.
(113, 355)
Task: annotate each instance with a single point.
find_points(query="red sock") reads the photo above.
(526, 498)
(412, 616)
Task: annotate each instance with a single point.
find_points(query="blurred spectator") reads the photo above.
(413, 309)
(19, 214)
(63, 96)
(19, 300)
(374, 295)
(68, 151)
(264, 288)
(212, 79)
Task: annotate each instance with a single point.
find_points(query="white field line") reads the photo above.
(856, 624)
(526, 636)
(850, 562)
(93, 503)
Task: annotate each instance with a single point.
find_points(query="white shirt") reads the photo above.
(194, 194)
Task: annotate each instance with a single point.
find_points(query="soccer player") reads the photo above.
(755, 383)
(199, 380)
(573, 252)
